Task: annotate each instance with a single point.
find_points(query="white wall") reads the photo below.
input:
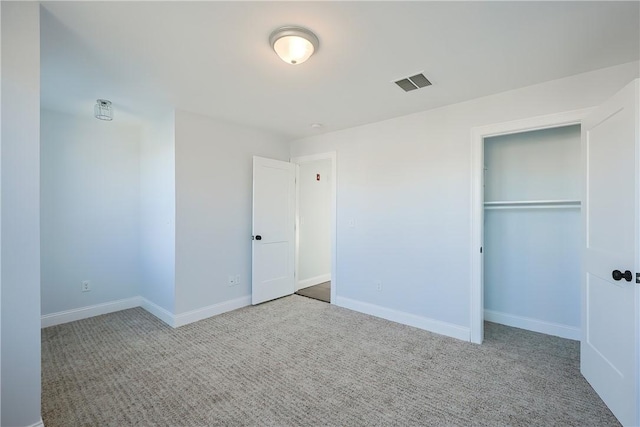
(20, 388)
(90, 191)
(213, 207)
(532, 269)
(538, 165)
(314, 216)
(532, 255)
(158, 212)
(406, 183)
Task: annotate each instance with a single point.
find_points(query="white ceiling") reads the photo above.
(214, 58)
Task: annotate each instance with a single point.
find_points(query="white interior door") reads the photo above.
(610, 303)
(273, 229)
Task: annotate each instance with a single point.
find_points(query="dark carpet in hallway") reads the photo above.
(320, 292)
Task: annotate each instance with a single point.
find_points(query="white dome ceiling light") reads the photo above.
(294, 45)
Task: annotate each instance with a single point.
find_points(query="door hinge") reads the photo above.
(637, 277)
(480, 249)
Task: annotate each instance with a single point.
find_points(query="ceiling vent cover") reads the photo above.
(414, 82)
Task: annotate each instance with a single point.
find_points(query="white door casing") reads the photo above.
(478, 134)
(273, 229)
(611, 221)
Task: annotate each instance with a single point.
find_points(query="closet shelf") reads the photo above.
(535, 204)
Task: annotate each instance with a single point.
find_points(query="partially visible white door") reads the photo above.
(611, 297)
(273, 229)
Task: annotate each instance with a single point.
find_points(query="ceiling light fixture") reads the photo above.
(103, 110)
(294, 45)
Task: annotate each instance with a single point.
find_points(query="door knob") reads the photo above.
(259, 237)
(618, 275)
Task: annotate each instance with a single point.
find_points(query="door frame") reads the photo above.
(478, 135)
(331, 155)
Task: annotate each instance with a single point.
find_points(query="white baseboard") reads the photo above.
(86, 312)
(173, 320)
(161, 313)
(431, 325)
(212, 310)
(38, 424)
(314, 281)
(535, 325)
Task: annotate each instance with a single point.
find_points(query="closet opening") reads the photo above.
(526, 225)
(532, 230)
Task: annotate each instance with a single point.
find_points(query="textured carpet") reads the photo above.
(320, 292)
(296, 362)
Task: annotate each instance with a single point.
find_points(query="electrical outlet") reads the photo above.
(237, 279)
(379, 286)
(85, 286)
(232, 280)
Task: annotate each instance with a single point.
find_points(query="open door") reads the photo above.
(273, 229)
(610, 294)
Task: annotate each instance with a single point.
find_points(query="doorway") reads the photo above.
(532, 230)
(315, 226)
(480, 136)
(610, 154)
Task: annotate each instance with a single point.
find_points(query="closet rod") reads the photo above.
(536, 204)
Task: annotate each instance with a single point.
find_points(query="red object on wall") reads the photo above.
(317, 177)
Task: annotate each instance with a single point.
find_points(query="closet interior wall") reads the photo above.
(532, 230)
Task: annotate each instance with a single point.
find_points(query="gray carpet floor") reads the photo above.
(300, 362)
(320, 292)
